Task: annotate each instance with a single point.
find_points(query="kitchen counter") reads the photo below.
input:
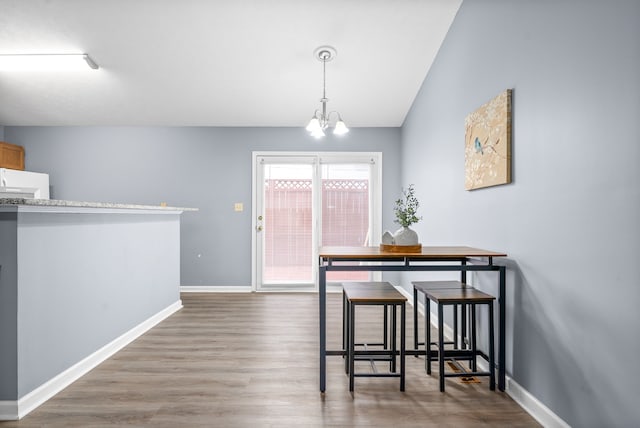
(78, 206)
(78, 281)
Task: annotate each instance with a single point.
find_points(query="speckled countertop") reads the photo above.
(55, 203)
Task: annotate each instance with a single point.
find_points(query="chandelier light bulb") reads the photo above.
(340, 128)
(314, 125)
(317, 133)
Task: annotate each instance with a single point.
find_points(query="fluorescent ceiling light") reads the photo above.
(46, 62)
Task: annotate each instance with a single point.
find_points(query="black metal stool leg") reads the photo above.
(345, 331)
(393, 337)
(455, 327)
(403, 326)
(441, 345)
(464, 322)
(352, 334)
(415, 318)
(385, 340)
(427, 335)
(472, 339)
(492, 369)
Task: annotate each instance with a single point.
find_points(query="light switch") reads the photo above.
(238, 207)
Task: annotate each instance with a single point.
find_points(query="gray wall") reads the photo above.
(205, 168)
(570, 219)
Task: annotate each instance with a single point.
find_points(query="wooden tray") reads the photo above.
(401, 248)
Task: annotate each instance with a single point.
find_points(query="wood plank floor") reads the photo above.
(251, 360)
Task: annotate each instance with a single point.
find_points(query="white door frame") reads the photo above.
(375, 196)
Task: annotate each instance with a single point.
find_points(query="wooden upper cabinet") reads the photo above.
(11, 156)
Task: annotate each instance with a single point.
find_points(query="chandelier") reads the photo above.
(320, 120)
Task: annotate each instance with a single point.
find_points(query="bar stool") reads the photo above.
(386, 332)
(423, 286)
(467, 296)
(380, 294)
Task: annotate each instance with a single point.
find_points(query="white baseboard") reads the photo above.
(533, 406)
(14, 410)
(215, 289)
(524, 398)
(8, 410)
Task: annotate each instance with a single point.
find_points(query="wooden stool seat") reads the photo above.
(437, 285)
(459, 296)
(373, 293)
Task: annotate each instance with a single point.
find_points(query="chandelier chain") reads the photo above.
(324, 78)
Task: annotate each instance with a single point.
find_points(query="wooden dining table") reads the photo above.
(460, 259)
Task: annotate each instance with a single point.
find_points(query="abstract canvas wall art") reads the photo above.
(487, 154)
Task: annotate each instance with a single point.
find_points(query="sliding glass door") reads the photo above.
(304, 201)
(286, 221)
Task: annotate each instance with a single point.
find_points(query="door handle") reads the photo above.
(259, 228)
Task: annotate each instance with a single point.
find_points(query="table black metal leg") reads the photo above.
(502, 302)
(415, 318)
(322, 285)
(441, 346)
(427, 335)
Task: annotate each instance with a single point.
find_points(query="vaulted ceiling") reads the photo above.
(220, 63)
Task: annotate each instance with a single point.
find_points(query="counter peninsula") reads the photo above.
(78, 281)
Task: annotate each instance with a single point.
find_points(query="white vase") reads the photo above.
(387, 238)
(405, 236)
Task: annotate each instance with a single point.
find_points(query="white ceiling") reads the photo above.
(220, 63)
